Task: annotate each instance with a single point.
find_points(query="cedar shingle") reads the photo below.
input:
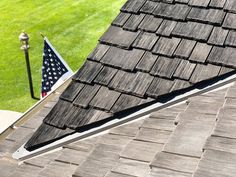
(133, 22)
(204, 72)
(200, 52)
(166, 28)
(105, 76)
(133, 83)
(175, 162)
(104, 99)
(165, 67)
(224, 56)
(218, 36)
(133, 6)
(211, 16)
(148, 149)
(126, 59)
(145, 41)
(146, 62)
(159, 87)
(118, 37)
(150, 23)
(59, 110)
(121, 19)
(182, 1)
(230, 6)
(193, 30)
(81, 117)
(163, 172)
(231, 39)
(86, 95)
(185, 48)
(88, 72)
(230, 22)
(184, 70)
(217, 3)
(45, 134)
(216, 55)
(220, 162)
(167, 1)
(225, 70)
(98, 52)
(154, 132)
(166, 46)
(175, 11)
(199, 3)
(148, 7)
(229, 55)
(180, 85)
(125, 102)
(72, 91)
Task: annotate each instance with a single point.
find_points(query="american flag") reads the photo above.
(54, 69)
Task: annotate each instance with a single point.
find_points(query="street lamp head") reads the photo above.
(24, 40)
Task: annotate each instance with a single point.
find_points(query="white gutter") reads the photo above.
(23, 154)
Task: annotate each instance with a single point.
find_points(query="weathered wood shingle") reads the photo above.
(211, 16)
(118, 37)
(172, 11)
(166, 46)
(120, 58)
(165, 67)
(150, 23)
(193, 30)
(145, 41)
(88, 72)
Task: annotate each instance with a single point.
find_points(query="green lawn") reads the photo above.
(72, 26)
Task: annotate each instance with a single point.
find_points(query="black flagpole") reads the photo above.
(24, 39)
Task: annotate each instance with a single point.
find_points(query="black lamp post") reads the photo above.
(24, 40)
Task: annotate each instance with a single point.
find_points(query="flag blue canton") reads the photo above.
(52, 70)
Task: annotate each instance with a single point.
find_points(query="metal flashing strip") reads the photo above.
(23, 154)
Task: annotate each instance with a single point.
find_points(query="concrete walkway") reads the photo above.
(7, 118)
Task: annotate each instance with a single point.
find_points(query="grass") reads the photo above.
(72, 26)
